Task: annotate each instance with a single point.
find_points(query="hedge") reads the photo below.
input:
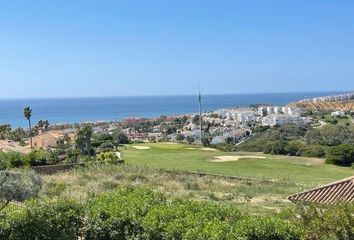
(43, 220)
(141, 213)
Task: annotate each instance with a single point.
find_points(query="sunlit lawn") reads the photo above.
(178, 156)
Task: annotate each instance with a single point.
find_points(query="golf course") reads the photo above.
(253, 193)
(172, 156)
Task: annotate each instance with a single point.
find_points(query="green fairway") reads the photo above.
(193, 158)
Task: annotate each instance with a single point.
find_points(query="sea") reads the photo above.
(77, 110)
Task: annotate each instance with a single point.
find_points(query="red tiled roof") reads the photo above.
(342, 190)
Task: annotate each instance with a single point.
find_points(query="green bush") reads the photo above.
(4, 163)
(329, 222)
(12, 160)
(107, 146)
(37, 157)
(225, 147)
(43, 220)
(190, 220)
(18, 186)
(267, 228)
(140, 213)
(107, 157)
(341, 155)
(276, 147)
(313, 151)
(54, 189)
(118, 215)
(294, 148)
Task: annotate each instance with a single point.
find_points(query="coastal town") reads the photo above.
(228, 125)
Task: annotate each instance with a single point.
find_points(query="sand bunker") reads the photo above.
(233, 158)
(209, 149)
(203, 149)
(141, 147)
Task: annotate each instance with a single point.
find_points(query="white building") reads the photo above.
(338, 114)
(282, 119)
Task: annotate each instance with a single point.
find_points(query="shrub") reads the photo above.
(54, 189)
(313, 151)
(18, 186)
(107, 146)
(180, 137)
(4, 163)
(190, 220)
(57, 220)
(13, 160)
(328, 222)
(276, 147)
(37, 157)
(341, 155)
(267, 228)
(225, 147)
(294, 148)
(118, 215)
(107, 157)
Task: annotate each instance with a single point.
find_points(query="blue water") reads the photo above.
(75, 110)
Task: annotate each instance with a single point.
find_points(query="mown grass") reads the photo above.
(251, 196)
(177, 156)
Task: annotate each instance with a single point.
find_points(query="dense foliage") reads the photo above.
(140, 213)
(6, 132)
(335, 142)
(36, 157)
(325, 222)
(17, 186)
(43, 220)
(341, 155)
(118, 215)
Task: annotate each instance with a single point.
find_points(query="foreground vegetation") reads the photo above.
(140, 213)
(250, 196)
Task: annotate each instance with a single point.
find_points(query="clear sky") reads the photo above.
(62, 48)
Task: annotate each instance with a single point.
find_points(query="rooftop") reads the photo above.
(342, 190)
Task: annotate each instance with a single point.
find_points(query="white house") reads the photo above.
(338, 114)
(282, 119)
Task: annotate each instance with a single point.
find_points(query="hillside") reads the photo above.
(330, 106)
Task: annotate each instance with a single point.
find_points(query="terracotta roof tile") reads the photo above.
(342, 190)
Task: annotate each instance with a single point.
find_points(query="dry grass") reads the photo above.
(254, 196)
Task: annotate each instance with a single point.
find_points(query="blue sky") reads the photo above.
(63, 48)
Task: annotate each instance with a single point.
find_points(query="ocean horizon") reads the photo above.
(89, 109)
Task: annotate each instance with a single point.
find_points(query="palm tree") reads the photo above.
(27, 112)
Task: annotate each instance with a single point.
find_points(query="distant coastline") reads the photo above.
(77, 110)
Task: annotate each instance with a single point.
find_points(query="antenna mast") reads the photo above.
(200, 117)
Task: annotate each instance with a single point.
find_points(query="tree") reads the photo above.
(229, 140)
(190, 139)
(46, 125)
(180, 137)
(37, 157)
(206, 142)
(195, 119)
(107, 146)
(18, 134)
(18, 186)
(27, 112)
(5, 131)
(83, 140)
(341, 155)
(119, 137)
